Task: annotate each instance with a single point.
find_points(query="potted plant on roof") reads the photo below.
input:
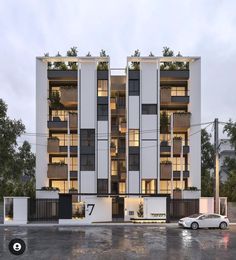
(135, 65)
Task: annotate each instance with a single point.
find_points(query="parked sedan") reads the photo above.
(196, 221)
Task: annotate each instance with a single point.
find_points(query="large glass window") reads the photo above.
(165, 186)
(133, 137)
(73, 162)
(134, 162)
(121, 187)
(87, 137)
(87, 162)
(102, 112)
(62, 185)
(102, 88)
(149, 109)
(149, 186)
(178, 91)
(102, 186)
(114, 168)
(63, 139)
(134, 87)
(60, 115)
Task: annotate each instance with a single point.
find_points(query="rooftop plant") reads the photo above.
(134, 64)
(103, 65)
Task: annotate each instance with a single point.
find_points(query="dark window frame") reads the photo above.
(87, 162)
(134, 87)
(102, 186)
(102, 112)
(149, 109)
(134, 162)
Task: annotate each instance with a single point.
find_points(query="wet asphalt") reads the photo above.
(120, 242)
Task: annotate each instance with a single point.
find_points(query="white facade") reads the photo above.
(115, 143)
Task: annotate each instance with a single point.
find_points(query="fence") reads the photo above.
(43, 210)
(183, 207)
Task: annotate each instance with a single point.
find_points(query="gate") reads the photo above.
(180, 208)
(43, 210)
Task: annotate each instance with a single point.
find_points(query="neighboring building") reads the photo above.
(119, 127)
(226, 150)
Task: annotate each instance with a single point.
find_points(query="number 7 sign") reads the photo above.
(91, 207)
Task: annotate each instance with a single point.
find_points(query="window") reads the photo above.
(62, 185)
(102, 88)
(149, 186)
(133, 137)
(73, 162)
(165, 186)
(134, 87)
(102, 112)
(87, 137)
(87, 162)
(121, 187)
(114, 167)
(133, 162)
(63, 139)
(102, 186)
(178, 91)
(149, 109)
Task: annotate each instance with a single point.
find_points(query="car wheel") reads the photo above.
(194, 225)
(223, 225)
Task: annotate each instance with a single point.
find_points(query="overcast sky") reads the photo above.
(195, 28)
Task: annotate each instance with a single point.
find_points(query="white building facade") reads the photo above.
(118, 138)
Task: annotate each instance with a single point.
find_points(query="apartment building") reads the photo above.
(120, 134)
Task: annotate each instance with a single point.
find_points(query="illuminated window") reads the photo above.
(178, 91)
(149, 186)
(102, 88)
(62, 185)
(165, 186)
(114, 167)
(121, 187)
(73, 162)
(63, 139)
(133, 137)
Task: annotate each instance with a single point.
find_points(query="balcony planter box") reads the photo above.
(181, 121)
(68, 96)
(177, 74)
(165, 95)
(47, 194)
(63, 74)
(191, 194)
(177, 194)
(73, 120)
(53, 145)
(57, 171)
(166, 170)
(177, 143)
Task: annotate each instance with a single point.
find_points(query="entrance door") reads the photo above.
(117, 209)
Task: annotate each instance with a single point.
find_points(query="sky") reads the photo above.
(195, 28)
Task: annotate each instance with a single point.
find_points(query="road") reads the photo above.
(120, 242)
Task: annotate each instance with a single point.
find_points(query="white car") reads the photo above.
(196, 221)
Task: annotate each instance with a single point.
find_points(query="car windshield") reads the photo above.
(195, 215)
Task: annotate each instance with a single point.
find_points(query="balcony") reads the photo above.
(166, 171)
(53, 145)
(166, 98)
(181, 121)
(166, 148)
(174, 74)
(57, 124)
(73, 120)
(68, 96)
(57, 171)
(62, 74)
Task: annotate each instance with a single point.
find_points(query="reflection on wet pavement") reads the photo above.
(120, 242)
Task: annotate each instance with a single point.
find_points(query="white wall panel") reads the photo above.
(41, 123)
(133, 181)
(149, 82)
(102, 129)
(149, 160)
(133, 112)
(103, 159)
(195, 109)
(88, 182)
(88, 95)
(149, 127)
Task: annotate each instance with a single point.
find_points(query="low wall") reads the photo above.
(232, 212)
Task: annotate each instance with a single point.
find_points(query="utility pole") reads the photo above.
(216, 166)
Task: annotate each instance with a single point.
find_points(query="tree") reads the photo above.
(15, 162)
(230, 130)
(103, 65)
(140, 210)
(72, 52)
(207, 164)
